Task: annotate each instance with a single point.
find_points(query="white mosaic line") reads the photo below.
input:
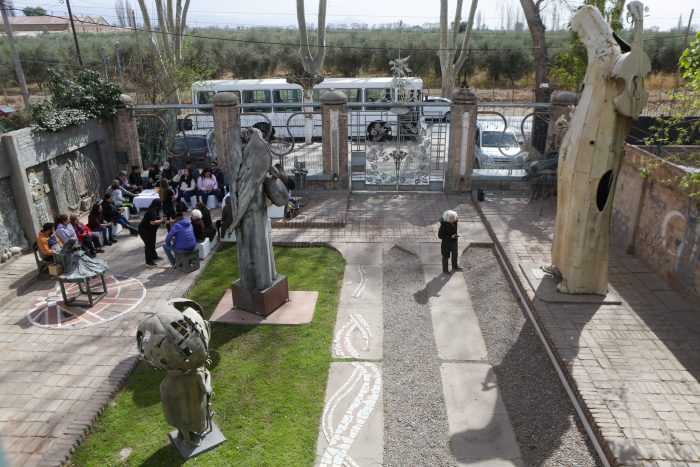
(344, 335)
(357, 293)
(355, 417)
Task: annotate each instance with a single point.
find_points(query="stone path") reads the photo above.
(634, 366)
(432, 386)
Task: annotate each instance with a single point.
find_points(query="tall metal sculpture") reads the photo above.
(175, 338)
(591, 152)
(260, 289)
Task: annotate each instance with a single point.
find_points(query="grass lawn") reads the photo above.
(268, 381)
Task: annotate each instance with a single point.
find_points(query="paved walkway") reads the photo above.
(634, 365)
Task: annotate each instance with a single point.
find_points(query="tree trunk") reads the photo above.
(450, 68)
(539, 49)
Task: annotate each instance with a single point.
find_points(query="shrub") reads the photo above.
(74, 102)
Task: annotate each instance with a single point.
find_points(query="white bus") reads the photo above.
(269, 96)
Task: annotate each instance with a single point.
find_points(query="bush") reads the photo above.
(74, 102)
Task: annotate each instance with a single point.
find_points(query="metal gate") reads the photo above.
(396, 148)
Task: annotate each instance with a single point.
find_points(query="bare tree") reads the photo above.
(166, 42)
(123, 10)
(450, 67)
(311, 60)
(533, 16)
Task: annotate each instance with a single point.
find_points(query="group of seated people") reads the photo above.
(53, 235)
(188, 182)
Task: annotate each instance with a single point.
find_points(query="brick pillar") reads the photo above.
(227, 133)
(560, 106)
(334, 105)
(126, 137)
(460, 152)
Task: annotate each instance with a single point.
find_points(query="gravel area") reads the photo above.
(543, 418)
(415, 419)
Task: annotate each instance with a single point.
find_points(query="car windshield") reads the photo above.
(192, 143)
(495, 139)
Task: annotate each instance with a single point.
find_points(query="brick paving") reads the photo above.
(634, 366)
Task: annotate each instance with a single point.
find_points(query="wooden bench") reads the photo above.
(42, 263)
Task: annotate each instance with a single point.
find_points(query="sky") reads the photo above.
(663, 14)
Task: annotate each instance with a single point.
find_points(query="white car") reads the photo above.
(438, 108)
(496, 147)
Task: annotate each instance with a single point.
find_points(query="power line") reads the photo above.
(296, 43)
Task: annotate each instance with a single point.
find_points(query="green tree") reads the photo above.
(33, 11)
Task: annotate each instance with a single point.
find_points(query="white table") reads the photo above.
(144, 199)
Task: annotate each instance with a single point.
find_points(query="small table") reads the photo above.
(144, 199)
(93, 296)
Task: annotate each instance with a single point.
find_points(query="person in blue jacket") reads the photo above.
(180, 239)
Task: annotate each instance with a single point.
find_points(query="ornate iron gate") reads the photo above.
(396, 148)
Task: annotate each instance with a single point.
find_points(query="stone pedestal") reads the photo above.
(334, 111)
(460, 151)
(261, 302)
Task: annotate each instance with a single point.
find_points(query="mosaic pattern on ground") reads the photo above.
(123, 295)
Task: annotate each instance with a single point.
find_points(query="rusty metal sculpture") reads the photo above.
(175, 338)
(591, 153)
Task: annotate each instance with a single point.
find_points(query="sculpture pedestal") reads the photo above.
(261, 302)
(211, 439)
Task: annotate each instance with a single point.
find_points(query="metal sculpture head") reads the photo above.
(175, 337)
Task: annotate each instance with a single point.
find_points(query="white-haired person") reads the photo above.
(200, 231)
(449, 236)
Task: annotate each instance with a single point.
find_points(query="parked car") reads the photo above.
(496, 147)
(439, 111)
(193, 145)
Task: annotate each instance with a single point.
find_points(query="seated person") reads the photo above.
(114, 215)
(88, 240)
(218, 174)
(49, 246)
(186, 185)
(97, 223)
(180, 239)
(117, 193)
(200, 232)
(135, 178)
(206, 218)
(64, 230)
(125, 184)
(154, 175)
(288, 182)
(208, 185)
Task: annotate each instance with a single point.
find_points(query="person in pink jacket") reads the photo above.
(208, 185)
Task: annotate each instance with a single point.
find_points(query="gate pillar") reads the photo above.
(126, 137)
(334, 119)
(460, 151)
(227, 133)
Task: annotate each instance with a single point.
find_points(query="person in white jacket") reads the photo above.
(186, 185)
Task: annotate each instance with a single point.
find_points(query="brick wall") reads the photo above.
(658, 221)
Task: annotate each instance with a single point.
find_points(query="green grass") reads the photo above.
(268, 381)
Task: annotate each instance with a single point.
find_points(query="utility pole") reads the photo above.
(75, 36)
(15, 57)
(119, 63)
(104, 62)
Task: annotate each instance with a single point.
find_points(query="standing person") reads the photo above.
(448, 234)
(148, 228)
(97, 223)
(208, 185)
(226, 220)
(180, 239)
(167, 197)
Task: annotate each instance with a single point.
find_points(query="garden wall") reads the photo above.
(50, 173)
(657, 220)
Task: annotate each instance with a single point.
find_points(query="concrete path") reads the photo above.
(352, 428)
